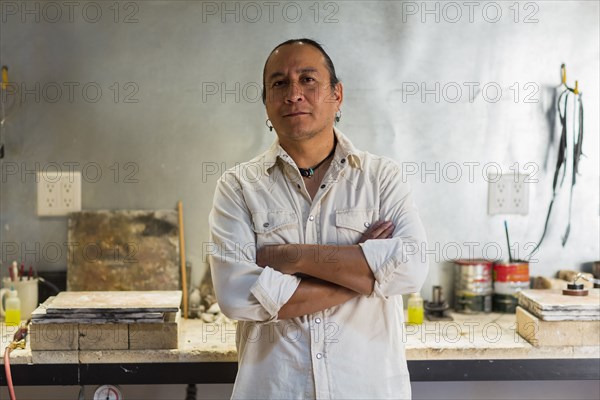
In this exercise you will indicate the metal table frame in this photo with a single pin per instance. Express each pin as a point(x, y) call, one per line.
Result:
point(224, 372)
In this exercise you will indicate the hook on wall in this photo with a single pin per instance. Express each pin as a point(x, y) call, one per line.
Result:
point(563, 77)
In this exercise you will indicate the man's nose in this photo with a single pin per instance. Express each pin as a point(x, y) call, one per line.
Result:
point(294, 93)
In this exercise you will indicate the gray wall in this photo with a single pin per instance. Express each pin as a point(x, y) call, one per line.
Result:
point(179, 136)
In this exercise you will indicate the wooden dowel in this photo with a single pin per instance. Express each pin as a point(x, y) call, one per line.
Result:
point(182, 258)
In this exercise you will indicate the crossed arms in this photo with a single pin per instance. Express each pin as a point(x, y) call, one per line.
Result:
point(331, 274)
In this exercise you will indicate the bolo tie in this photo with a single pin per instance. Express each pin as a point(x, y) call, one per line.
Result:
point(561, 159)
point(309, 172)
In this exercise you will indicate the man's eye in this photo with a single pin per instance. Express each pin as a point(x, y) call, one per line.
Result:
point(277, 83)
point(309, 79)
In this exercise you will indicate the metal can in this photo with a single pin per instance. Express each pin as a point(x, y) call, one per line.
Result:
point(511, 277)
point(468, 303)
point(473, 286)
point(505, 303)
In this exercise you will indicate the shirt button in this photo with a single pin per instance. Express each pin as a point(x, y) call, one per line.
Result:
point(266, 225)
point(367, 224)
point(322, 186)
point(311, 218)
point(318, 320)
point(343, 160)
point(298, 186)
point(319, 356)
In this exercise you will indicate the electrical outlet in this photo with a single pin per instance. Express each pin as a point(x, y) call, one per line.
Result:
point(48, 195)
point(508, 194)
point(58, 193)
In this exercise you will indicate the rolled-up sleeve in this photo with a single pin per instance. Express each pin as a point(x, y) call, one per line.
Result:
point(244, 291)
point(399, 263)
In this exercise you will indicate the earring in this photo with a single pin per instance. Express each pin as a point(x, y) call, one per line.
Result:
point(338, 115)
point(269, 126)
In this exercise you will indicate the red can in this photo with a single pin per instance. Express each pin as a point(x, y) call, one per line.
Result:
point(516, 271)
point(511, 277)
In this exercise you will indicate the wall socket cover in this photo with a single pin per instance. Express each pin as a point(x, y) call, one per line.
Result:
point(59, 193)
point(508, 194)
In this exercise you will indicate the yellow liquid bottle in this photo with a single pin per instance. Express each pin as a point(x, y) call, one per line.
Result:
point(415, 309)
point(13, 309)
point(12, 317)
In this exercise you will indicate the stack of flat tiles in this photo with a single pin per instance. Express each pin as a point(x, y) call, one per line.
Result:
point(549, 318)
point(110, 320)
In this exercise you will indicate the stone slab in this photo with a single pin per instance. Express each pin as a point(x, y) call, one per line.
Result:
point(163, 335)
point(54, 357)
point(53, 336)
point(552, 305)
point(103, 337)
point(557, 333)
point(123, 250)
point(115, 301)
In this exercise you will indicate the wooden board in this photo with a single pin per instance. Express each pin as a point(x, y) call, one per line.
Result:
point(116, 301)
point(552, 305)
point(123, 250)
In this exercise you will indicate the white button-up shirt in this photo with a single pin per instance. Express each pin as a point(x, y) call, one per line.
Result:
point(351, 351)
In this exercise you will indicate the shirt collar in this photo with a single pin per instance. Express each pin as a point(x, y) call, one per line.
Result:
point(345, 149)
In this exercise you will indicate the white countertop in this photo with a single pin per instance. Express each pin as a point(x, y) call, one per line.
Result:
point(468, 337)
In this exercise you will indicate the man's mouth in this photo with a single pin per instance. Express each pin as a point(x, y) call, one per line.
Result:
point(295, 114)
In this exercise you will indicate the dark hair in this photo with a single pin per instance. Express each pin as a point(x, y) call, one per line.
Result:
point(333, 79)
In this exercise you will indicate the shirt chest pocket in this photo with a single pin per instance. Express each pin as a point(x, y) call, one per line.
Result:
point(275, 227)
point(350, 224)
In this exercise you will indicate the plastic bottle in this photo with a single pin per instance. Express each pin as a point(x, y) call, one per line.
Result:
point(415, 309)
point(13, 308)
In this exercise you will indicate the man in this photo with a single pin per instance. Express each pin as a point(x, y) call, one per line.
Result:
point(316, 242)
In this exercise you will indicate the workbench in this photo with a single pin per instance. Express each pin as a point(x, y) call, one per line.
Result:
point(482, 347)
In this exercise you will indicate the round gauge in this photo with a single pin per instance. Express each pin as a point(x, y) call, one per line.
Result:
point(108, 392)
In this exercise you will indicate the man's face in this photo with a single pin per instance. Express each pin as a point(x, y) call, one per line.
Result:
point(299, 99)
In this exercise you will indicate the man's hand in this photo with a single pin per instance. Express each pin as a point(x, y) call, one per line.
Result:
point(282, 257)
point(379, 230)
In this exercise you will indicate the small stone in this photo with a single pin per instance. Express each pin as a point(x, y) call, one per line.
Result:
point(206, 317)
point(195, 298)
point(214, 309)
